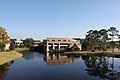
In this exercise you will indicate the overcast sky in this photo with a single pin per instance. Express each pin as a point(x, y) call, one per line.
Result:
point(57, 18)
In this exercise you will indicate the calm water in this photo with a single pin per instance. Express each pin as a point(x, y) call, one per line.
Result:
point(35, 66)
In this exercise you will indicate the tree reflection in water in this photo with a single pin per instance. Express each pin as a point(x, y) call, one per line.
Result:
point(100, 66)
point(4, 70)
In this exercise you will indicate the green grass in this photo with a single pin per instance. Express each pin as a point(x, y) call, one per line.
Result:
point(9, 56)
point(106, 53)
point(21, 49)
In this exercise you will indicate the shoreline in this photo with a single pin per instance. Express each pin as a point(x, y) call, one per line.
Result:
point(22, 50)
point(108, 53)
point(9, 56)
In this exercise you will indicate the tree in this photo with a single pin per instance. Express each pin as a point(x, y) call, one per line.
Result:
point(92, 39)
point(113, 32)
point(29, 42)
point(21, 45)
point(4, 38)
point(119, 40)
point(89, 40)
point(2, 46)
point(2, 33)
point(95, 39)
point(75, 48)
point(103, 38)
point(12, 46)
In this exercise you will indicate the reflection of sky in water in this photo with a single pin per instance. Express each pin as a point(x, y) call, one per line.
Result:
point(116, 63)
point(32, 55)
point(33, 67)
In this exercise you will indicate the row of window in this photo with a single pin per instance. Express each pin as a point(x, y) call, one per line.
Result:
point(59, 40)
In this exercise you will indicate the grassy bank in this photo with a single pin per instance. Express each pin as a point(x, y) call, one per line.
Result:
point(89, 52)
point(22, 50)
point(107, 53)
point(9, 56)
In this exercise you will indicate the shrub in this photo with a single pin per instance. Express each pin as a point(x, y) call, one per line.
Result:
point(12, 46)
point(2, 46)
point(76, 49)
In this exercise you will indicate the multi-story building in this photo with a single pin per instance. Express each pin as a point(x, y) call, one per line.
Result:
point(17, 42)
point(60, 43)
point(37, 42)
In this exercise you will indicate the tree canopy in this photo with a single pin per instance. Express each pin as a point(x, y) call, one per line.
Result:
point(29, 42)
point(113, 32)
point(99, 39)
point(4, 38)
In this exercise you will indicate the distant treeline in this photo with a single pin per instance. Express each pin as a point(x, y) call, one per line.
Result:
point(101, 40)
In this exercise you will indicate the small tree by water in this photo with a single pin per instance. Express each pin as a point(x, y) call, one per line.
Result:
point(2, 46)
point(29, 42)
point(113, 32)
point(12, 46)
point(4, 38)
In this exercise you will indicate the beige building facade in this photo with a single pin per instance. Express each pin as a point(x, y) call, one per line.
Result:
point(36, 42)
point(18, 42)
point(60, 43)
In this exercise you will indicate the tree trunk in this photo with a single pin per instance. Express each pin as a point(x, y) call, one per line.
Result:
point(112, 46)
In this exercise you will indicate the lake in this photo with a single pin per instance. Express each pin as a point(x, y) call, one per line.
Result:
point(35, 66)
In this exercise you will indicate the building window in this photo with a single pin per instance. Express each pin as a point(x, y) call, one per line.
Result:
point(59, 40)
point(69, 40)
point(53, 40)
point(64, 40)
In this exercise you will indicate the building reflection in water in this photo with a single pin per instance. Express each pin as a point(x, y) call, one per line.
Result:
point(4, 70)
point(58, 59)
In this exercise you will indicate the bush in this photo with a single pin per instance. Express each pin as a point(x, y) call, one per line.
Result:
point(76, 49)
point(12, 46)
point(68, 49)
point(29, 42)
point(72, 49)
point(2, 46)
point(21, 46)
point(31, 48)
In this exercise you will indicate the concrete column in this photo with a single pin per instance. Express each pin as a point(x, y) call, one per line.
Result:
point(47, 47)
point(53, 46)
point(70, 45)
point(59, 46)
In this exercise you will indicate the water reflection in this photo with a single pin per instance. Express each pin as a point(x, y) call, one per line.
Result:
point(35, 66)
point(59, 59)
point(32, 55)
point(101, 66)
point(4, 70)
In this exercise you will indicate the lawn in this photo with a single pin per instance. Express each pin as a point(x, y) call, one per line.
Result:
point(107, 53)
point(9, 56)
point(21, 49)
